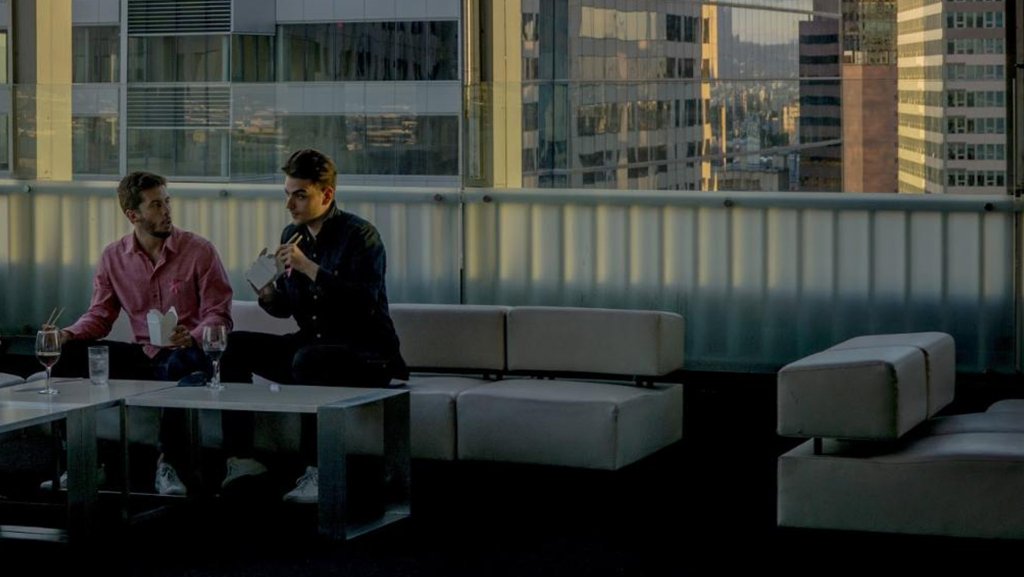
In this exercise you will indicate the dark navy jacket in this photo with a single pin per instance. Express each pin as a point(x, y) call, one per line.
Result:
point(348, 303)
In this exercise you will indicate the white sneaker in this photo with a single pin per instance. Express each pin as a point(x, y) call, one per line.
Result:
point(240, 468)
point(167, 481)
point(307, 488)
point(47, 485)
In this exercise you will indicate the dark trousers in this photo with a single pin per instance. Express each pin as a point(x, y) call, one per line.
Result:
point(129, 361)
point(290, 359)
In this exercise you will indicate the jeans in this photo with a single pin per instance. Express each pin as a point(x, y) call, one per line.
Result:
point(290, 359)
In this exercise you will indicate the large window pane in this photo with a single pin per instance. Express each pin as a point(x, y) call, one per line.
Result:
point(369, 51)
point(94, 145)
point(252, 58)
point(305, 52)
point(95, 53)
point(177, 58)
point(200, 153)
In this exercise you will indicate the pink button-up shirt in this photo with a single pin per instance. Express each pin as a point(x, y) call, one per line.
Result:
point(188, 276)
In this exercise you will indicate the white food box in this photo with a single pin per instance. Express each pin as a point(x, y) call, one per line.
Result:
point(161, 326)
point(264, 270)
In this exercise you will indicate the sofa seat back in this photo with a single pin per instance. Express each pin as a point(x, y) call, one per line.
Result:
point(594, 341)
point(451, 337)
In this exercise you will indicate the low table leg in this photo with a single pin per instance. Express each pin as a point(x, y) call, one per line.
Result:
point(332, 424)
point(82, 462)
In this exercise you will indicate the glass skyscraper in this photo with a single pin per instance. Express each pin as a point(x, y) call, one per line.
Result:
point(769, 95)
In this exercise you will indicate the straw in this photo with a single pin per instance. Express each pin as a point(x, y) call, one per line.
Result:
point(294, 238)
point(49, 318)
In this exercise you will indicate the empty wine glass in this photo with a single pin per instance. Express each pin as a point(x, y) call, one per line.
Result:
point(215, 340)
point(48, 352)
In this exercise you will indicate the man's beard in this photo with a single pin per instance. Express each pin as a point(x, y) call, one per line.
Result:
point(151, 230)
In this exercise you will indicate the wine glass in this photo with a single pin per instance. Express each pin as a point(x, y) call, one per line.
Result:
point(48, 351)
point(215, 340)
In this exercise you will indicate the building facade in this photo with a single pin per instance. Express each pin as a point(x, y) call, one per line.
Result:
point(620, 94)
point(224, 89)
point(952, 96)
point(869, 96)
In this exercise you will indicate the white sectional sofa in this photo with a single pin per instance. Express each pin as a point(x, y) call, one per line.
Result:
point(546, 385)
point(880, 460)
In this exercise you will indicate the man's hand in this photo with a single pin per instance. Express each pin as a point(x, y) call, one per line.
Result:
point(292, 258)
point(63, 335)
point(266, 292)
point(180, 337)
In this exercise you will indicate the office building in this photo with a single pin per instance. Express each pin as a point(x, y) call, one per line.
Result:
point(869, 118)
point(952, 97)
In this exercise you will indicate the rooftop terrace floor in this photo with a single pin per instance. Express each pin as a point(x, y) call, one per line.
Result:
point(705, 504)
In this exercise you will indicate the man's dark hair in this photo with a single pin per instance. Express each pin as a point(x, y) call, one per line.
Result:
point(309, 164)
point(129, 192)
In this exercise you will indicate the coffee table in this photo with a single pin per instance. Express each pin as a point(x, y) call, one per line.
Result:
point(75, 406)
point(334, 408)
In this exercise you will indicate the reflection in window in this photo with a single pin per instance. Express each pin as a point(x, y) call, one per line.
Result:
point(200, 153)
point(369, 51)
point(305, 50)
point(5, 133)
point(252, 58)
point(177, 58)
point(94, 145)
point(95, 53)
point(375, 144)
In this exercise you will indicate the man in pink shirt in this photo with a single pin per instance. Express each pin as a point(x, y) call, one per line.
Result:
point(156, 266)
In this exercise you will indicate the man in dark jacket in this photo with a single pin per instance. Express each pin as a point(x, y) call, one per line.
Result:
point(333, 285)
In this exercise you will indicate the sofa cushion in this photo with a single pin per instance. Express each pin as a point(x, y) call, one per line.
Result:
point(432, 405)
point(940, 360)
point(1007, 406)
point(248, 316)
point(448, 337)
point(965, 485)
point(863, 393)
point(990, 422)
point(606, 341)
point(571, 423)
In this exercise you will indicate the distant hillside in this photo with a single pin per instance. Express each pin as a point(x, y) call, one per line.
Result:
point(750, 60)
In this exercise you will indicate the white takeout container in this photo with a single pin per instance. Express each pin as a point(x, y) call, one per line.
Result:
point(161, 326)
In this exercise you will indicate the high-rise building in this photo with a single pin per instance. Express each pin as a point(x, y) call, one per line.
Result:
point(820, 105)
point(590, 94)
point(952, 97)
point(665, 94)
point(869, 118)
point(223, 89)
point(538, 93)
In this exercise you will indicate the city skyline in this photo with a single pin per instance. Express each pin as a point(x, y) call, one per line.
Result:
point(692, 95)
